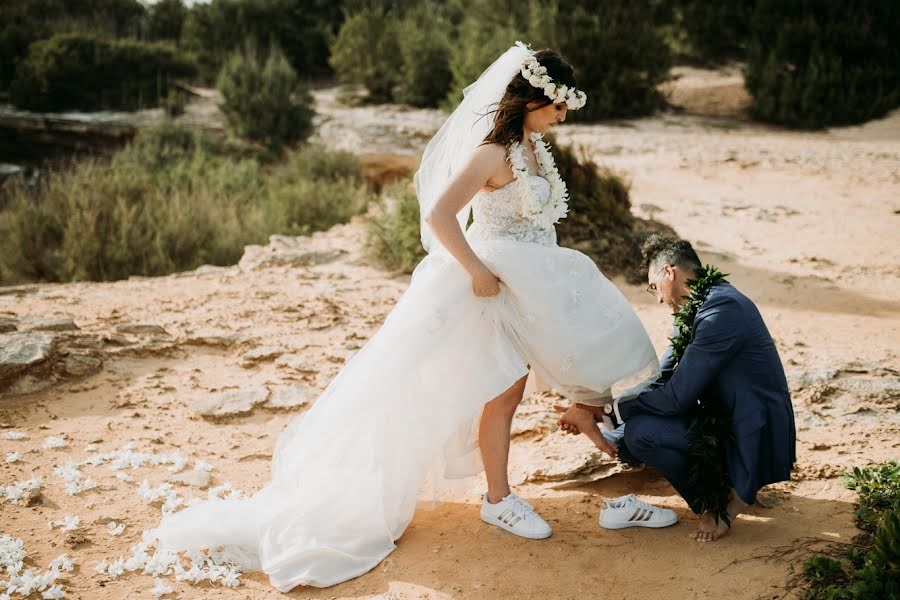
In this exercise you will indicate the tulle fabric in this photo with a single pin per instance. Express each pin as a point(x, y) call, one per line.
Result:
point(347, 474)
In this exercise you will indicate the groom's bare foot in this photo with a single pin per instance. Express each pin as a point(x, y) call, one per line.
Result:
point(708, 530)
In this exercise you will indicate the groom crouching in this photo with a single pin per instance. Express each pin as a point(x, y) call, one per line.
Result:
point(722, 363)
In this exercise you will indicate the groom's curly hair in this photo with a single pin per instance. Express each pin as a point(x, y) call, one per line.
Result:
point(509, 114)
point(671, 250)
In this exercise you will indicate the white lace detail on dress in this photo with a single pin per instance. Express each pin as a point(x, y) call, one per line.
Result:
point(498, 216)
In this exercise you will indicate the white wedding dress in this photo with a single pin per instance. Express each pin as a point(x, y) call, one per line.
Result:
point(347, 474)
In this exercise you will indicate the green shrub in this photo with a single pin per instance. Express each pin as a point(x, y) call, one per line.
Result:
point(870, 569)
point(23, 22)
point(366, 51)
point(814, 63)
point(393, 235)
point(173, 200)
point(263, 99)
point(714, 32)
point(81, 71)
point(879, 490)
point(425, 54)
point(213, 30)
point(599, 222)
point(165, 20)
point(487, 29)
point(619, 54)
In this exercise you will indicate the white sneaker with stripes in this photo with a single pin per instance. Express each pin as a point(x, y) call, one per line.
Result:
point(515, 516)
point(628, 511)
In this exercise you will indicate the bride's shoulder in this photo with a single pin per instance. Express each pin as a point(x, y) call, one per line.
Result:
point(490, 151)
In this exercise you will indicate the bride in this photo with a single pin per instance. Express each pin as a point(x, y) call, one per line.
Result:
point(431, 396)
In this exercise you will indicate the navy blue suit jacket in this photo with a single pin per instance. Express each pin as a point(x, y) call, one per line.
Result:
point(731, 357)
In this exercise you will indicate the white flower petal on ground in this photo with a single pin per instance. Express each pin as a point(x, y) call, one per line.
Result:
point(161, 588)
point(115, 529)
point(53, 593)
point(54, 442)
point(102, 566)
point(116, 568)
point(62, 563)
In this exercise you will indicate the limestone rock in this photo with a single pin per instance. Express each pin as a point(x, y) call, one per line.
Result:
point(231, 403)
point(140, 329)
point(261, 353)
point(8, 324)
point(20, 351)
point(290, 397)
point(195, 478)
point(48, 324)
point(296, 363)
point(81, 364)
point(223, 341)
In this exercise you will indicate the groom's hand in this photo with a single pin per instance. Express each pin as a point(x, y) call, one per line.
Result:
point(580, 419)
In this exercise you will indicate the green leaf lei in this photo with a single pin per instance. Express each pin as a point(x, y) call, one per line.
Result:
point(708, 426)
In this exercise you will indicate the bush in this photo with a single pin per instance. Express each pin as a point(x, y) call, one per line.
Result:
point(263, 99)
point(86, 72)
point(714, 32)
point(599, 222)
point(816, 63)
point(393, 235)
point(870, 569)
point(23, 22)
point(172, 200)
point(302, 30)
point(366, 51)
point(425, 54)
point(618, 51)
point(165, 20)
point(487, 29)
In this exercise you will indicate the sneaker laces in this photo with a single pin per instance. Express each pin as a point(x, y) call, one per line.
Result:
point(521, 505)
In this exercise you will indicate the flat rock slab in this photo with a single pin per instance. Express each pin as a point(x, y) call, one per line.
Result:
point(195, 478)
point(290, 397)
point(231, 403)
point(140, 329)
point(261, 353)
point(48, 324)
point(21, 350)
point(8, 324)
point(221, 341)
point(296, 363)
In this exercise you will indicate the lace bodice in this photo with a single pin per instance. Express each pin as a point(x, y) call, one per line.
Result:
point(497, 215)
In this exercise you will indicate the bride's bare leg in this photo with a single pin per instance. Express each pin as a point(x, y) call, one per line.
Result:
point(493, 438)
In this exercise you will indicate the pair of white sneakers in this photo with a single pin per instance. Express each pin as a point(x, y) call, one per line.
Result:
point(516, 516)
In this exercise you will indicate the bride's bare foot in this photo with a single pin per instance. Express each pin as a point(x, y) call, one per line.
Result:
point(708, 530)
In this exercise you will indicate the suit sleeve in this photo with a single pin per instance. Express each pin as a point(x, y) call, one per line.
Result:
point(718, 335)
point(666, 367)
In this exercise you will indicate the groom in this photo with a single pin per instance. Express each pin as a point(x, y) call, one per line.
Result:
point(731, 359)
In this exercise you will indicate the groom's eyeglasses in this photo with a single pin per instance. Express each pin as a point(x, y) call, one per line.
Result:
point(651, 289)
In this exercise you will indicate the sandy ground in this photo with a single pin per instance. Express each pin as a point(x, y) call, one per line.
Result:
point(804, 223)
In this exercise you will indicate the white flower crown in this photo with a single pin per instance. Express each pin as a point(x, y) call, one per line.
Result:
point(536, 74)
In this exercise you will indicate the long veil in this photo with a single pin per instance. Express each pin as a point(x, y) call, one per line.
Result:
point(458, 137)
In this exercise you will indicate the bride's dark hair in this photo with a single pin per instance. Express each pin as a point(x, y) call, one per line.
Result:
point(509, 116)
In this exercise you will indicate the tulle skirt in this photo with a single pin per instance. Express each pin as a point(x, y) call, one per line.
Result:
point(347, 474)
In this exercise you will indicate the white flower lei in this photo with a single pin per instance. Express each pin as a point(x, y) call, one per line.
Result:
point(547, 212)
point(536, 74)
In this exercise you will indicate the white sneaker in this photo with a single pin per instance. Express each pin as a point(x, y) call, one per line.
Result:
point(628, 511)
point(515, 516)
